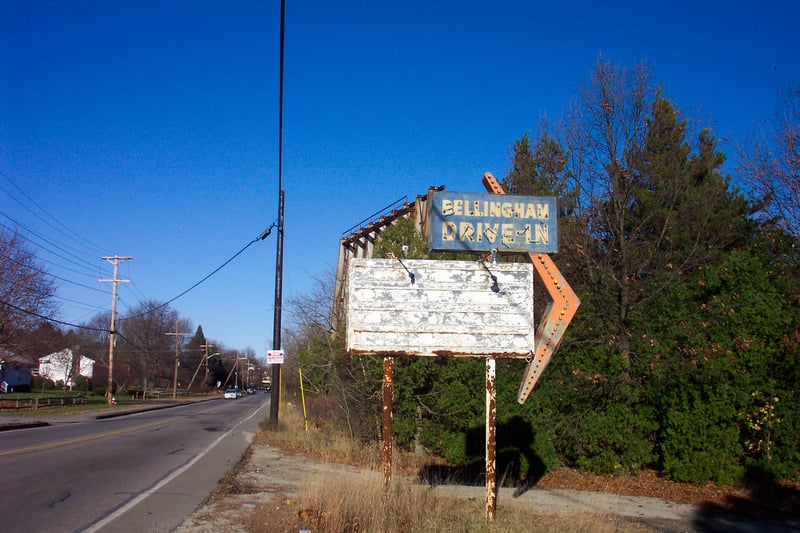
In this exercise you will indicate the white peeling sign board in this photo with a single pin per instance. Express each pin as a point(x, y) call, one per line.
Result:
point(439, 308)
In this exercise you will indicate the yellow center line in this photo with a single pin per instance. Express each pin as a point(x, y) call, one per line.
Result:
point(56, 444)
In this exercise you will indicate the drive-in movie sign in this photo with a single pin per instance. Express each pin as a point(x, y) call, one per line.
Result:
point(480, 222)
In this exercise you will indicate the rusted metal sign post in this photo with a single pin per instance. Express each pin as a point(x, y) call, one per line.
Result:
point(491, 439)
point(464, 308)
point(388, 419)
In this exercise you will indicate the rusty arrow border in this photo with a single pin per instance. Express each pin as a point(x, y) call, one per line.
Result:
point(558, 314)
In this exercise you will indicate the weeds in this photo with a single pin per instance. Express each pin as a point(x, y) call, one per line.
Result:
point(340, 499)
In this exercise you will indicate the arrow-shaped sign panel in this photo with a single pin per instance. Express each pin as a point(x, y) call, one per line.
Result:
point(557, 316)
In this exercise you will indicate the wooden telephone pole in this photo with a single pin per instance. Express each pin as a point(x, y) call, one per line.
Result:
point(177, 345)
point(111, 332)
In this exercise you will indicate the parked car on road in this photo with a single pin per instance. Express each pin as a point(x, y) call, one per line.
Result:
point(230, 394)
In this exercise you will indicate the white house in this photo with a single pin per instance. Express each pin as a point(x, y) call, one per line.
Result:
point(63, 366)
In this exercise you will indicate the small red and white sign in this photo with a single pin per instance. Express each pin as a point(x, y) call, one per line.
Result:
point(275, 357)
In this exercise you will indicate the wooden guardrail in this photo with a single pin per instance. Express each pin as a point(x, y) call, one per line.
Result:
point(15, 404)
point(151, 394)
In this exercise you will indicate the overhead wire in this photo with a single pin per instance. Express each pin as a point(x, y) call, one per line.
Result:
point(66, 231)
point(81, 263)
point(261, 237)
point(46, 273)
point(35, 268)
point(60, 255)
point(77, 261)
point(134, 289)
point(72, 325)
point(45, 260)
point(64, 253)
point(51, 319)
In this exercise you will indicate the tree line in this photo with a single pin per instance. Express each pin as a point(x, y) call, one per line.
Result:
point(684, 356)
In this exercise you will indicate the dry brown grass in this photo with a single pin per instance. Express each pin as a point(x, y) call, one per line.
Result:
point(334, 504)
point(330, 445)
point(341, 501)
point(322, 443)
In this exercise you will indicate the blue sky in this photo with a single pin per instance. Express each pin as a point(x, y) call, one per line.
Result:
point(150, 128)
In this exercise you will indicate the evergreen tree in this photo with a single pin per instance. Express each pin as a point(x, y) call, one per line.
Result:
point(193, 357)
point(197, 342)
point(541, 171)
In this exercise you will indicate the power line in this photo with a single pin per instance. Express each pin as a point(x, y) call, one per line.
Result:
point(51, 319)
point(56, 248)
point(44, 260)
point(81, 264)
point(32, 232)
point(136, 291)
point(32, 267)
point(46, 273)
point(261, 237)
point(66, 231)
point(76, 326)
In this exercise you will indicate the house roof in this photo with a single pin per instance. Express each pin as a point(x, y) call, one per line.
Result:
point(48, 357)
point(8, 356)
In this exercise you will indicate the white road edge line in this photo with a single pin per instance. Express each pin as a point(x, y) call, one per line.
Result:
point(141, 497)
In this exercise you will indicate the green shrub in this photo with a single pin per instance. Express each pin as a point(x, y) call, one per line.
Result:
point(544, 448)
point(81, 384)
point(701, 444)
point(615, 440)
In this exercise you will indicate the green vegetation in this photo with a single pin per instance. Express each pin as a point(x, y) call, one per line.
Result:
point(684, 356)
point(50, 403)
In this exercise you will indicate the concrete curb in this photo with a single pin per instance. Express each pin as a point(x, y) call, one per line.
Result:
point(22, 425)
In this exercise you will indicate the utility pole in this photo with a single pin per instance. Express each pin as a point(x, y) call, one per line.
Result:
point(203, 361)
point(111, 332)
point(275, 394)
point(175, 375)
point(206, 346)
point(237, 371)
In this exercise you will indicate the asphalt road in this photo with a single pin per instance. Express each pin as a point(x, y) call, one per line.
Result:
point(142, 472)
